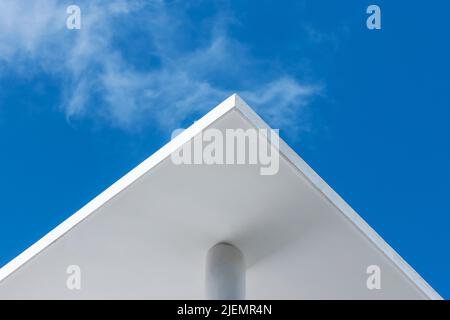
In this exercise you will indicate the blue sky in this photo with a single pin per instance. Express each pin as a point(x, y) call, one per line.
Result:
point(367, 109)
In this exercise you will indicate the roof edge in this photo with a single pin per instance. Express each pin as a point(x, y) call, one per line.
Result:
point(232, 102)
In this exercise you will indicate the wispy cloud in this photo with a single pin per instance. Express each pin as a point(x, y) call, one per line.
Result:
point(135, 63)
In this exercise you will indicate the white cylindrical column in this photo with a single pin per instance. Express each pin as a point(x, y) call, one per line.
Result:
point(225, 273)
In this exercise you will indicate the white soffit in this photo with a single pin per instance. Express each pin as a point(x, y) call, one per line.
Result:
point(147, 235)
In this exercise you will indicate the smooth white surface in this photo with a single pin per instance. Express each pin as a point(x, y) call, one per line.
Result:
point(146, 236)
point(225, 273)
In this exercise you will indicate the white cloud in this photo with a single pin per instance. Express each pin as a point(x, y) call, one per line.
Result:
point(99, 79)
point(282, 101)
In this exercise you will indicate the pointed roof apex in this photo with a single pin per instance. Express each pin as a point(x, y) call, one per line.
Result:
point(233, 101)
point(238, 100)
